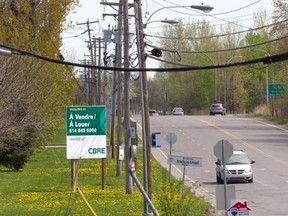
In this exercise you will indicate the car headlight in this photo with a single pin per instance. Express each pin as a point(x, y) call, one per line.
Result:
point(249, 170)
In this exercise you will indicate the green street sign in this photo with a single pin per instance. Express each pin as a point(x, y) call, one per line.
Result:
point(86, 132)
point(87, 120)
point(276, 89)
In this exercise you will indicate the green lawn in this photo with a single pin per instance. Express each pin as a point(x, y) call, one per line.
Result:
point(44, 188)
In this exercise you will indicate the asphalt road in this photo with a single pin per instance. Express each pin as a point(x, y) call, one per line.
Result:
point(265, 143)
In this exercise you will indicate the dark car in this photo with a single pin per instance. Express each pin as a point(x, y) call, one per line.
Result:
point(153, 113)
point(217, 108)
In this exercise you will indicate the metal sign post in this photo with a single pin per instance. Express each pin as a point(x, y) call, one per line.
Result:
point(223, 150)
point(171, 138)
point(182, 189)
point(184, 161)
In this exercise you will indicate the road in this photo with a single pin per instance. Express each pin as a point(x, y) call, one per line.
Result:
point(265, 143)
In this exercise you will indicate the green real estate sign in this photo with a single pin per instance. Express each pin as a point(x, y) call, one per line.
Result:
point(276, 89)
point(86, 132)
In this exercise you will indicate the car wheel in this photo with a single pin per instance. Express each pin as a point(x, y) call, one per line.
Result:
point(221, 181)
point(217, 179)
point(251, 180)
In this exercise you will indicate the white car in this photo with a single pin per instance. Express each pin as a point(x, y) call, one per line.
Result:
point(217, 108)
point(237, 168)
point(177, 111)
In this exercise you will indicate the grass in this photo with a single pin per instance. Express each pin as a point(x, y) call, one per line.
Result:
point(269, 118)
point(44, 188)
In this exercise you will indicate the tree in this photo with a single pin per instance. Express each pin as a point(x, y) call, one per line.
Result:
point(33, 93)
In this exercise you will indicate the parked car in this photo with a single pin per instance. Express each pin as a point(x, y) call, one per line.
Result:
point(177, 111)
point(217, 108)
point(237, 168)
point(153, 113)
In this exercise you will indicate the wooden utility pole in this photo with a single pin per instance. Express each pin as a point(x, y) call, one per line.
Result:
point(129, 187)
point(92, 55)
point(145, 105)
point(117, 84)
point(118, 74)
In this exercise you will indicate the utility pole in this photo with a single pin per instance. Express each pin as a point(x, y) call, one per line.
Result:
point(129, 187)
point(118, 64)
point(117, 85)
point(92, 55)
point(147, 172)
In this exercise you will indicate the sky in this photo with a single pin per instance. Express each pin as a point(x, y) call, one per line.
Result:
point(74, 47)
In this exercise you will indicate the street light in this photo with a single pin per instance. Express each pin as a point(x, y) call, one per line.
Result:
point(202, 7)
point(5, 52)
point(267, 72)
point(144, 91)
point(167, 21)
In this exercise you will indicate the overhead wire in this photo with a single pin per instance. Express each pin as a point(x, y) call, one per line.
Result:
point(222, 50)
point(211, 15)
point(226, 12)
point(266, 60)
point(218, 35)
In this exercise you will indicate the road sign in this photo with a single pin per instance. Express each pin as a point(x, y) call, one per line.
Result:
point(171, 138)
point(86, 132)
point(239, 209)
point(223, 149)
point(156, 139)
point(185, 160)
point(276, 89)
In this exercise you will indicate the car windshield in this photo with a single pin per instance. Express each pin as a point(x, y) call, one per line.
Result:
point(238, 159)
point(178, 110)
point(216, 105)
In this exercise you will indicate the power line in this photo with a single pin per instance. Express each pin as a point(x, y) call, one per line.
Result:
point(222, 50)
point(220, 35)
point(266, 60)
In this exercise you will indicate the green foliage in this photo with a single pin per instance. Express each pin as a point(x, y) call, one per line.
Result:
point(33, 93)
point(44, 188)
point(169, 197)
point(195, 44)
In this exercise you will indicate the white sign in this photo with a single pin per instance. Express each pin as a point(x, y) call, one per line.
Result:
point(239, 209)
point(185, 160)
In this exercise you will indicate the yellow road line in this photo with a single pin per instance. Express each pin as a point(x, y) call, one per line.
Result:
point(259, 151)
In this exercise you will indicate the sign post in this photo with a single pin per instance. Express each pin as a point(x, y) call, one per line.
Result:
point(223, 150)
point(184, 161)
point(171, 138)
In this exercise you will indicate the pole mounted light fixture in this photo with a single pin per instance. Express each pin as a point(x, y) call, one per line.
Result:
point(167, 21)
point(170, 21)
point(202, 7)
point(5, 52)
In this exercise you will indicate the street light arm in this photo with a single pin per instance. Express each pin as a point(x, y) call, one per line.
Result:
point(202, 7)
point(233, 58)
point(260, 50)
point(168, 21)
